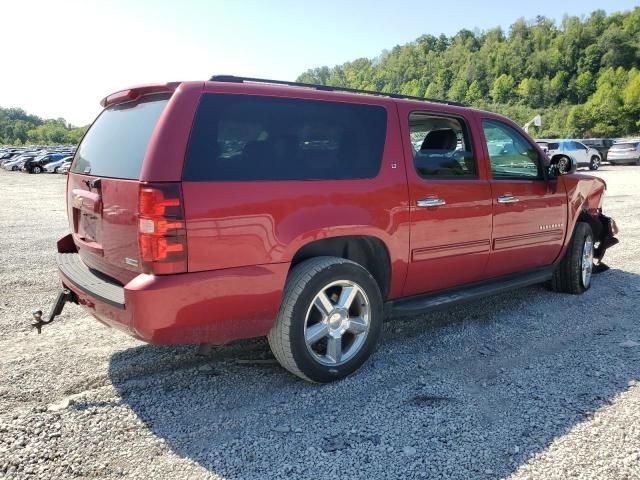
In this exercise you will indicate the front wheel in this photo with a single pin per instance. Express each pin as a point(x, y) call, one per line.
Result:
point(330, 319)
point(594, 164)
point(573, 274)
point(36, 169)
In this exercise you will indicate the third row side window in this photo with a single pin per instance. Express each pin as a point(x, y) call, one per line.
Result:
point(254, 138)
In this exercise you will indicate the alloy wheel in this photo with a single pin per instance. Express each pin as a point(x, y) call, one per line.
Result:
point(587, 262)
point(337, 322)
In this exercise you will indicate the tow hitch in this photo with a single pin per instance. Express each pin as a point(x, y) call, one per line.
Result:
point(64, 296)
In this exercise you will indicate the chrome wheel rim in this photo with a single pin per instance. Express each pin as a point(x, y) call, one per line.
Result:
point(337, 323)
point(587, 262)
point(596, 162)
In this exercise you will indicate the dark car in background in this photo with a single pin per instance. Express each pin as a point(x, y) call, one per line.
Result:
point(602, 145)
point(37, 164)
point(18, 162)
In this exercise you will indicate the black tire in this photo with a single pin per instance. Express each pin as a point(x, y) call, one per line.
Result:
point(594, 164)
point(567, 278)
point(36, 169)
point(287, 336)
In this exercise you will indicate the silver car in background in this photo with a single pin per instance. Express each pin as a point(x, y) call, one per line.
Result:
point(54, 166)
point(625, 153)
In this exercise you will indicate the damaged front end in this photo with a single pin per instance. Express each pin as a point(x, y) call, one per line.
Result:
point(604, 231)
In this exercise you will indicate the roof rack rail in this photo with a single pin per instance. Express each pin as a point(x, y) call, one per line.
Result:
point(327, 88)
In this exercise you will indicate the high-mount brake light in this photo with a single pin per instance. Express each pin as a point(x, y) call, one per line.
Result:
point(119, 97)
point(162, 234)
point(136, 92)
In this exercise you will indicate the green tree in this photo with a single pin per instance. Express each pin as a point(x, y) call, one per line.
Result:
point(584, 86)
point(458, 90)
point(474, 95)
point(502, 89)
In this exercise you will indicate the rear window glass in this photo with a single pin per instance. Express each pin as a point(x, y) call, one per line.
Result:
point(251, 138)
point(623, 146)
point(116, 143)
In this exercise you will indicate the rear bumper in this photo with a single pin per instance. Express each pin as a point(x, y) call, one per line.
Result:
point(623, 160)
point(204, 307)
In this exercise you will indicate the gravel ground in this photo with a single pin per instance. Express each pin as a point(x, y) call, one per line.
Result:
point(528, 385)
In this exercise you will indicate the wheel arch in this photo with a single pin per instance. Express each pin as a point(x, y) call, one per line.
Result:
point(366, 250)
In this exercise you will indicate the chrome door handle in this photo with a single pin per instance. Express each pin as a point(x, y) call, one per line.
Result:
point(431, 202)
point(508, 199)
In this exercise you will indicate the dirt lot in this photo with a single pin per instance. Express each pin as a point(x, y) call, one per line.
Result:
point(529, 385)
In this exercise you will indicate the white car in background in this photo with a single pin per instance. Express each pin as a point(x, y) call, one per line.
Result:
point(54, 166)
point(583, 155)
point(64, 168)
point(625, 152)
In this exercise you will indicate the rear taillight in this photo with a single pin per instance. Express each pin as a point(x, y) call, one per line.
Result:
point(162, 234)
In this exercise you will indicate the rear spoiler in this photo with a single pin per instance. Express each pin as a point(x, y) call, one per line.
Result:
point(134, 93)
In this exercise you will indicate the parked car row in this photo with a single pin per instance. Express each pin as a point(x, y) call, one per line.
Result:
point(36, 159)
point(592, 152)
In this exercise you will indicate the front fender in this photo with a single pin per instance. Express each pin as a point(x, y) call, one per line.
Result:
point(585, 194)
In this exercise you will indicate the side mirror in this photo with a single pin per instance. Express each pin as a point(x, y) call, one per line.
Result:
point(562, 165)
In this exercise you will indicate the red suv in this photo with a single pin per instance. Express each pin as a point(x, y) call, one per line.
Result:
point(206, 212)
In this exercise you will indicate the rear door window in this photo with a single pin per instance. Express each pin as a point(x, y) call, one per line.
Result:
point(252, 138)
point(117, 141)
point(441, 146)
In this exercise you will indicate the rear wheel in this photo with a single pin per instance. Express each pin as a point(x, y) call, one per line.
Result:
point(594, 164)
point(330, 319)
point(573, 274)
point(36, 169)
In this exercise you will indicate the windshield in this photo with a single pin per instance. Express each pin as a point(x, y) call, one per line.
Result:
point(116, 143)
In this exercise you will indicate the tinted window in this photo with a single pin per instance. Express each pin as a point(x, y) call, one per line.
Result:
point(116, 143)
point(441, 146)
point(511, 155)
point(249, 138)
point(623, 146)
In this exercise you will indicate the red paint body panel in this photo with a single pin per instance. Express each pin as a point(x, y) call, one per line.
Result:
point(444, 237)
point(242, 236)
point(164, 159)
point(195, 307)
point(112, 215)
point(524, 234)
point(518, 242)
point(232, 224)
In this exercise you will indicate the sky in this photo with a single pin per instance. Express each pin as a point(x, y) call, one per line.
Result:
point(60, 57)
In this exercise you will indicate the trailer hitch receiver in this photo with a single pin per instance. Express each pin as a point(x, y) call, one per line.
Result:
point(64, 296)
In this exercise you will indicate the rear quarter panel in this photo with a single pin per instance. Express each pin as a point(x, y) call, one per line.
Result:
point(165, 154)
point(232, 224)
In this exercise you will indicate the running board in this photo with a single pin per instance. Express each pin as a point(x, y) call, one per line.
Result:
point(446, 298)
